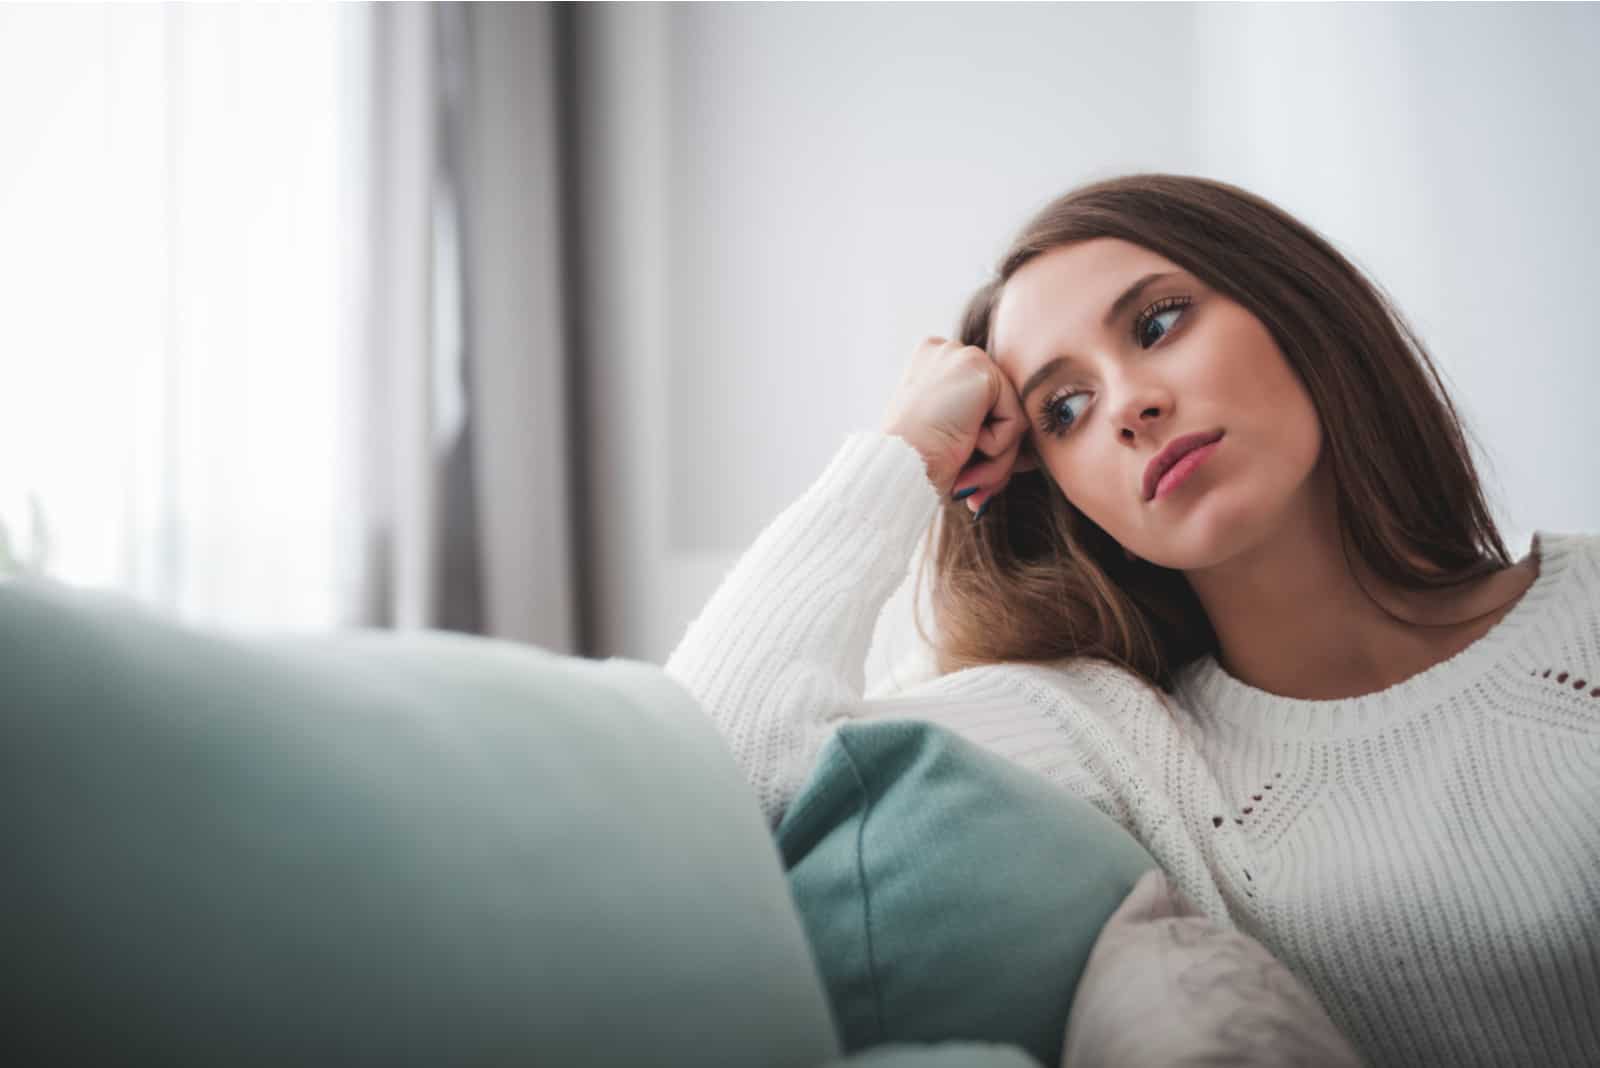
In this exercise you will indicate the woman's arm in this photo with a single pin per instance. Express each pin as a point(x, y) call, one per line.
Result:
point(780, 648)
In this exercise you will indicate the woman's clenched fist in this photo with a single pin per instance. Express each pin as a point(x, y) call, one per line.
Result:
point(961, 414)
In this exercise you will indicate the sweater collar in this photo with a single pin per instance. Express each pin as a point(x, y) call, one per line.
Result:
point(1212, 694)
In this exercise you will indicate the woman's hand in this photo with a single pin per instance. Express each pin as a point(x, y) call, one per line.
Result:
point(956, 408)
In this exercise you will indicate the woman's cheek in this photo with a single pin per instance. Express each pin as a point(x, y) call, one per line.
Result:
point(1100, 505)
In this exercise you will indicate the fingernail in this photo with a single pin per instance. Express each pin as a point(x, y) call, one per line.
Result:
point(981, 509)
point(961, 495)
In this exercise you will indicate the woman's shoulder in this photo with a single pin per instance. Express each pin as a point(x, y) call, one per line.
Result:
point(1566, 590)
point(1584, 541)
point(1567, 556)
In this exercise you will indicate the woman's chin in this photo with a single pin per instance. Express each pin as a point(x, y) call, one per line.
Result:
point(1208, 531)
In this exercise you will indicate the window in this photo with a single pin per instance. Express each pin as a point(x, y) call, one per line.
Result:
point(181, 218)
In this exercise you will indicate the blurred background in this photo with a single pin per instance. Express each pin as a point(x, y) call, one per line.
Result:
point(524, 320)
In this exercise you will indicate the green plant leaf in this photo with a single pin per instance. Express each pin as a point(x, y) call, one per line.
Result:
point(39, 530)
point(8, 561)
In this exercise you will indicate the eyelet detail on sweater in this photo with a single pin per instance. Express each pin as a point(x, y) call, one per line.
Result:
point(1561, 677)
point(1216, 821)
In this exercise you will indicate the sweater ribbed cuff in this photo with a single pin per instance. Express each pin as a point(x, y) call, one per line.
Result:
point(880, 480)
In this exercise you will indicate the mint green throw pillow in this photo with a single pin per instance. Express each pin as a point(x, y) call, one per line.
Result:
point(948, 893)
point(376, 848)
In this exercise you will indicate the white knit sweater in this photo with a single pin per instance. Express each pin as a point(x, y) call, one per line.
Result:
point(1427, 858)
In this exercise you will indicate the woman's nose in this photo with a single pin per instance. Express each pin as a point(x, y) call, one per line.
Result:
point(1143, 405)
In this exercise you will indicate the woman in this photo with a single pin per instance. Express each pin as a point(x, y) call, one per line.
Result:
point(1233, 580)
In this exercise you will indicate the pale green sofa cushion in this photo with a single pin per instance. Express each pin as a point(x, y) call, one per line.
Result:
point(398, 849)
point(949, 894)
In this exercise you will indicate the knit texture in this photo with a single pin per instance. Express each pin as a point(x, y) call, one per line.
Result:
point(1426, 858)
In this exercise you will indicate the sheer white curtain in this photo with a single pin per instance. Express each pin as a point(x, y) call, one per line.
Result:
point(181, 199)
point(283, 336)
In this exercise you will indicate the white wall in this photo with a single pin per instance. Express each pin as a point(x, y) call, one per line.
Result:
point(785, 198)
point(1450, 151)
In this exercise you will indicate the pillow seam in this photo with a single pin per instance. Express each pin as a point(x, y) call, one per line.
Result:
point(866, 886)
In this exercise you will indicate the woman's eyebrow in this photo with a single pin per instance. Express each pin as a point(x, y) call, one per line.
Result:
point(1131, 294)
point(1115, 312)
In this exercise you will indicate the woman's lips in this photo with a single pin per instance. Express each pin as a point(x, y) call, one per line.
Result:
point(1182, 469)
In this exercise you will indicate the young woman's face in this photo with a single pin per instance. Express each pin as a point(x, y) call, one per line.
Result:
point(1173, 359)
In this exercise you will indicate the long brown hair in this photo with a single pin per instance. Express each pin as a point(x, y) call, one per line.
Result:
point(1036, 580)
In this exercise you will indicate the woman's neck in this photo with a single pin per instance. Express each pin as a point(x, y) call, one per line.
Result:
point(1293, 619)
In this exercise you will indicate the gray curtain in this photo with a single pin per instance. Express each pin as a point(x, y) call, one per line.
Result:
point(471, 499)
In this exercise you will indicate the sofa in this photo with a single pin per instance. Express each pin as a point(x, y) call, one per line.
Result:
point(399, 848)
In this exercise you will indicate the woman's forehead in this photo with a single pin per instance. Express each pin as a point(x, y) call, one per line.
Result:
point(1065, 292)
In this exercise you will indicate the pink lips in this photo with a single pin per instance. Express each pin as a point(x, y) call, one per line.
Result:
point(1180, 470)
point(1174, 463)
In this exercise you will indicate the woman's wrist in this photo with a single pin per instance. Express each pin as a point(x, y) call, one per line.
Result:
point(943, 483)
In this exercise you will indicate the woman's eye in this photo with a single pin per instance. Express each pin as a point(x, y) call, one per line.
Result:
point(1143, 332)
point(1059, 413)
